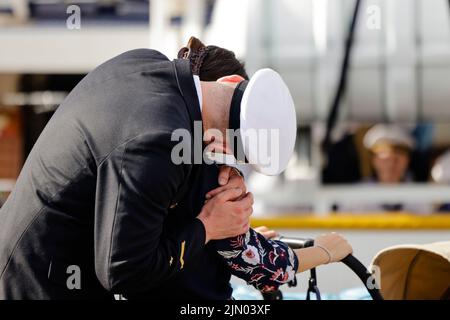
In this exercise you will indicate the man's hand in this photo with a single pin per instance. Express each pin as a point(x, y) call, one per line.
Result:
point(226, 173)
point(225, 217)
point(233, 180)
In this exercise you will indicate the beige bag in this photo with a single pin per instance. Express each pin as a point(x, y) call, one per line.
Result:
point(412, 272)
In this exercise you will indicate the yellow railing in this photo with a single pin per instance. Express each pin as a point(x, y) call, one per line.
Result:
point(354, 221)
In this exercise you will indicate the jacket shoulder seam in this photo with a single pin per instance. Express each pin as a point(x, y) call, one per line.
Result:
point(115, 214)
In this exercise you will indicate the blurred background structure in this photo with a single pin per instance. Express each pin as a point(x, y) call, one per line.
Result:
point(349, 64)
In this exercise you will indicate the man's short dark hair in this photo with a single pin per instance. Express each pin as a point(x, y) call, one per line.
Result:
point(211, 62)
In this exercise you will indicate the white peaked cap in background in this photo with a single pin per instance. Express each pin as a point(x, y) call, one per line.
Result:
point(388, 133)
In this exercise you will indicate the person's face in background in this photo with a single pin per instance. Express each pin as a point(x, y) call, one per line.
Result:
point(390, 163)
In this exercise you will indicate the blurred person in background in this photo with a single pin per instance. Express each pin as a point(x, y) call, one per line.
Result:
point(440, 173)
point(390, 148)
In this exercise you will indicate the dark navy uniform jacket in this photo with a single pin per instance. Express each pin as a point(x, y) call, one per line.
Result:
point(100, 208)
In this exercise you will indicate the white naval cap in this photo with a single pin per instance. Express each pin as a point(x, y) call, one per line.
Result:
point(441, 169)
point(388, 134)
point(264, 112)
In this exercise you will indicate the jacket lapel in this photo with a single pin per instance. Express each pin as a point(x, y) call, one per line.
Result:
point(187, 88)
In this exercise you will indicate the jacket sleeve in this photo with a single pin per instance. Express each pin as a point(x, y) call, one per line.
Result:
point(265, 264)
point(136, 184)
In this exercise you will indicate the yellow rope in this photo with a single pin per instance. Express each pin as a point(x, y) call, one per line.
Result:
point(354, 221)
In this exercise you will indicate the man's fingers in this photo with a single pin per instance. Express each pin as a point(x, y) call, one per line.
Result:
point(248, 212)
point(246, 202)
point(229, 194)
point(234, 182)
point(218, 190)
point(224, 175)
point(241, 206)
point(235, 172)
point(215, 192)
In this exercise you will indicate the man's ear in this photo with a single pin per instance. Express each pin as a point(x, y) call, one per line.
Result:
point(234, 78)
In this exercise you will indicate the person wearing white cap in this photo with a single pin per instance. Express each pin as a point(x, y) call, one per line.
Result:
point(390, 149)
point(101, 207)
point(100, 191)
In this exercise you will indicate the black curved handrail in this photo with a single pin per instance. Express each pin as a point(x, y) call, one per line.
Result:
point(361, 271)
point(350, 261)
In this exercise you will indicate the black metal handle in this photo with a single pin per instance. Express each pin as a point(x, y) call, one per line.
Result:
point(361, 271)
point(350, 261)
point(297, 243)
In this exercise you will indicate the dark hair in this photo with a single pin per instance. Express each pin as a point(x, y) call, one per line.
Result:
point(211, 62)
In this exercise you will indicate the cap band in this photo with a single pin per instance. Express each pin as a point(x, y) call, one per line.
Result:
point(235, 120)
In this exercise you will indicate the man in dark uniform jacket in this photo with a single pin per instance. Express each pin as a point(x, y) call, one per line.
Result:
point(99, 207)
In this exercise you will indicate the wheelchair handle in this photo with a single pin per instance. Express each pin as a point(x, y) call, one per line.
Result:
point(350, 261)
